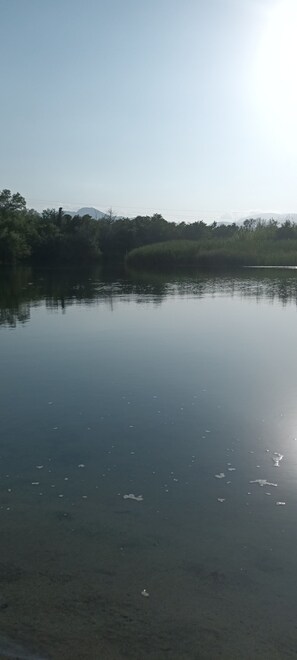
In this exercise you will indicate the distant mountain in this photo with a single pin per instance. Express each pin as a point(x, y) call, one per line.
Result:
point(226, 219)
point(89, 210)
point(94, 213)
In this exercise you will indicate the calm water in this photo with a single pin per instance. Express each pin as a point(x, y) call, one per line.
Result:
point(113, 385)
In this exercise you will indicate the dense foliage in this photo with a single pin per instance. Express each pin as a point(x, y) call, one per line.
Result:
point(57, 237)
point(50, 236)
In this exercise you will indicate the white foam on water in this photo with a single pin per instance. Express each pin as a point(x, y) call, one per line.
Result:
point(277, 458)
point(263, 482)
point(221, 475)
point(131, 496)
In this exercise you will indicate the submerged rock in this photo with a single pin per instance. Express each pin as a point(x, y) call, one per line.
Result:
point(10, 649)
point(3, 603)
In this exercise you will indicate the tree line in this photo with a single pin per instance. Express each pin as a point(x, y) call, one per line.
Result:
point(57, 237)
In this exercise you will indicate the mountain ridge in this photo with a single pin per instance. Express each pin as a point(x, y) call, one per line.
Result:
point(227, 218)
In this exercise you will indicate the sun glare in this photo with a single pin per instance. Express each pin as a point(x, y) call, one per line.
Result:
point(275, 75)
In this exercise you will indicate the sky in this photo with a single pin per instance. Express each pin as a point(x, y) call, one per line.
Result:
point(180, 107)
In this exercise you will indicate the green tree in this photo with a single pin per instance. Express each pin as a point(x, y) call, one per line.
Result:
point(14, 238)
point(10, 203)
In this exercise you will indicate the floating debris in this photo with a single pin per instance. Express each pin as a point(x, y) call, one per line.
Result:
point(81, 465)
point(145, 593)
point(277, 458)
point(263, 482)
point(221, 475)
point(39, 467)
point(131, 496)
point(221, 499)
point(231, 469)
point(280, 503)
point(35, 483)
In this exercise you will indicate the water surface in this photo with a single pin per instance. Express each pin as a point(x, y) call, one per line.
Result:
point(115, 384)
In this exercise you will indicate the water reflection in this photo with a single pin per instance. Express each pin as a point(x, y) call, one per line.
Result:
point(140, 452)
point(24, 288)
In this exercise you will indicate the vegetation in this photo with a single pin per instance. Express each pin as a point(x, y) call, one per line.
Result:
point(215, 254)
point(51, 236)
point(144, 241)
point(255, 243)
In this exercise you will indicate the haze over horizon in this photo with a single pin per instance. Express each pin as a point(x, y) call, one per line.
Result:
point(181, 107)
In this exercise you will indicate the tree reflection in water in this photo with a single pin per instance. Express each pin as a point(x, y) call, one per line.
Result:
point(23, 288)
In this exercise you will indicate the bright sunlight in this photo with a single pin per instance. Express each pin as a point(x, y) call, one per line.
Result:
point(276, 90)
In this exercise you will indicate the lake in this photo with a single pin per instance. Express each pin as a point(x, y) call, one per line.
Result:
point(148, 465)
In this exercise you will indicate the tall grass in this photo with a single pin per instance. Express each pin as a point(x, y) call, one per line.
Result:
point(216, 253)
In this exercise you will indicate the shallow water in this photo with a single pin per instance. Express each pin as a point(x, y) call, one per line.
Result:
point(181, 390)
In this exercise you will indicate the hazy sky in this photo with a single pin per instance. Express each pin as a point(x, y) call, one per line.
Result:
point(184, 107)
